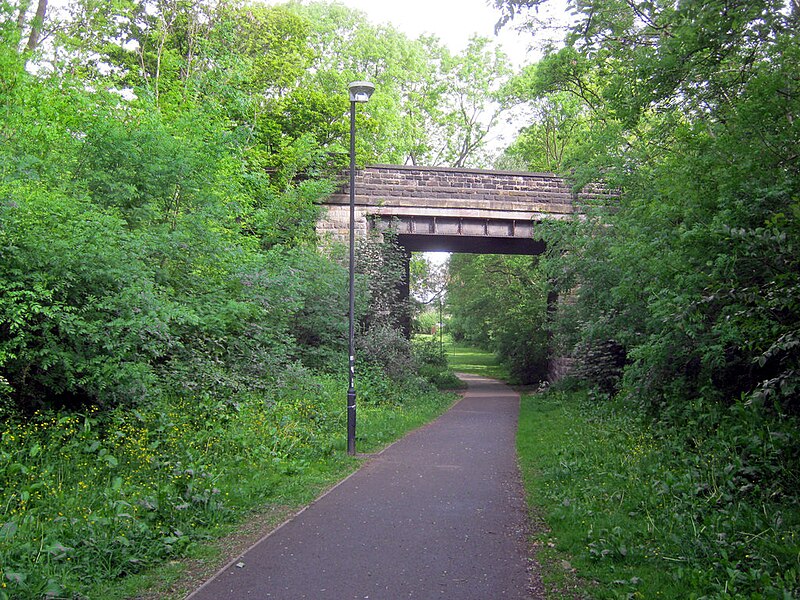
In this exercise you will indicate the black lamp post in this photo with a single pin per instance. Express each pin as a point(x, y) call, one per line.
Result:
point(360, 91)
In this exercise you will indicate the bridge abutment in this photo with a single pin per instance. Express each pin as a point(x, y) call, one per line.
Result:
point(334, 225)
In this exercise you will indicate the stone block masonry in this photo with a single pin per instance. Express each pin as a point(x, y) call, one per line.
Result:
point(486, 200)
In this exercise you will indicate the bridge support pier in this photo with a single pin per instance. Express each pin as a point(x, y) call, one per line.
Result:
point(558, 367)
point(405, 293)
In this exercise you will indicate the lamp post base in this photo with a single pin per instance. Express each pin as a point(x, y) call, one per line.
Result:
point(351, 422)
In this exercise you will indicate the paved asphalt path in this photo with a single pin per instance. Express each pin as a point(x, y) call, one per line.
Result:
point(439, 514)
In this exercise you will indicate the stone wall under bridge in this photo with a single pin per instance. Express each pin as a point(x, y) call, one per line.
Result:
point(452, 210)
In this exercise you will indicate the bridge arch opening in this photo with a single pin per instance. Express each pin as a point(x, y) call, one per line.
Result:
point(470, 245)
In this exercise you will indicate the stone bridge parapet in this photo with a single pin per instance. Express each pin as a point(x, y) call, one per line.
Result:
point(437, 201)
point(475, 188)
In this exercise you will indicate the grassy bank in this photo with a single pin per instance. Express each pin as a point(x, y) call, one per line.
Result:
point(92, 501)
point(707, 509)
point(465, 359)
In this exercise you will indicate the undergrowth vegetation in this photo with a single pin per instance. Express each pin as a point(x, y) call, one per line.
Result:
point(434, 364)
point(91, 497)
point(701, 503)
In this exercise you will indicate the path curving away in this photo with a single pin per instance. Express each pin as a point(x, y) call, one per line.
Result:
point(438, 514)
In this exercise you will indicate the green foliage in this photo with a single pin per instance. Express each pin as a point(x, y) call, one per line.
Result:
point(559, 122)
point(381, 338)
point(147, 172)
point(159, 190)
point(702, 504)
point(691, 270)
point(430, 107)
point(428, 351)
point(388, 348)
point(320, 325)
point(140, 250)
point(427, 321)
point(81, 314)
point(475, 78)
point(499, 303)
point(288, 218)
point(431, 363)
point(96, 312)
point(381, 259)
point(272, 43)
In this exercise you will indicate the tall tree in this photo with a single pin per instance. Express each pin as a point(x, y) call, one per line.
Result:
point(694, 119)
point(471, 103)
point(558, 122)
point(430, 107)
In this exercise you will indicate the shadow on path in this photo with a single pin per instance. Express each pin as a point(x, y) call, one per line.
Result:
point(438, 514)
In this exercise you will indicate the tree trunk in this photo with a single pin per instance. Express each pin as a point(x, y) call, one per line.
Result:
point(36, 25)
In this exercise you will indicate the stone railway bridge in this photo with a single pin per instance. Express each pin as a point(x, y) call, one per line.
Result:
point(453, 210)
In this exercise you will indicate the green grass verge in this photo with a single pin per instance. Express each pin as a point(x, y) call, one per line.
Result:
point(639, 513)
point(465, 359)
point(105, 505)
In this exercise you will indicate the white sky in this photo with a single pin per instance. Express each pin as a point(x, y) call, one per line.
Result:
point(452, 21)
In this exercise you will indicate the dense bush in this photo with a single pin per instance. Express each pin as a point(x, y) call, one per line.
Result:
point(384, 313)
point(82, 316)
point(431, 363)
point(157, 212)
point(387, 348)
point(426, 321)
point(691, 268)
point(144, 258)
point(94, 312)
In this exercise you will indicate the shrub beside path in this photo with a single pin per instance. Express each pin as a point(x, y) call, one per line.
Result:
point(439, 514)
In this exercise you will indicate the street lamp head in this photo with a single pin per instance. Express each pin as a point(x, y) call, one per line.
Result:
point(360, 91)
